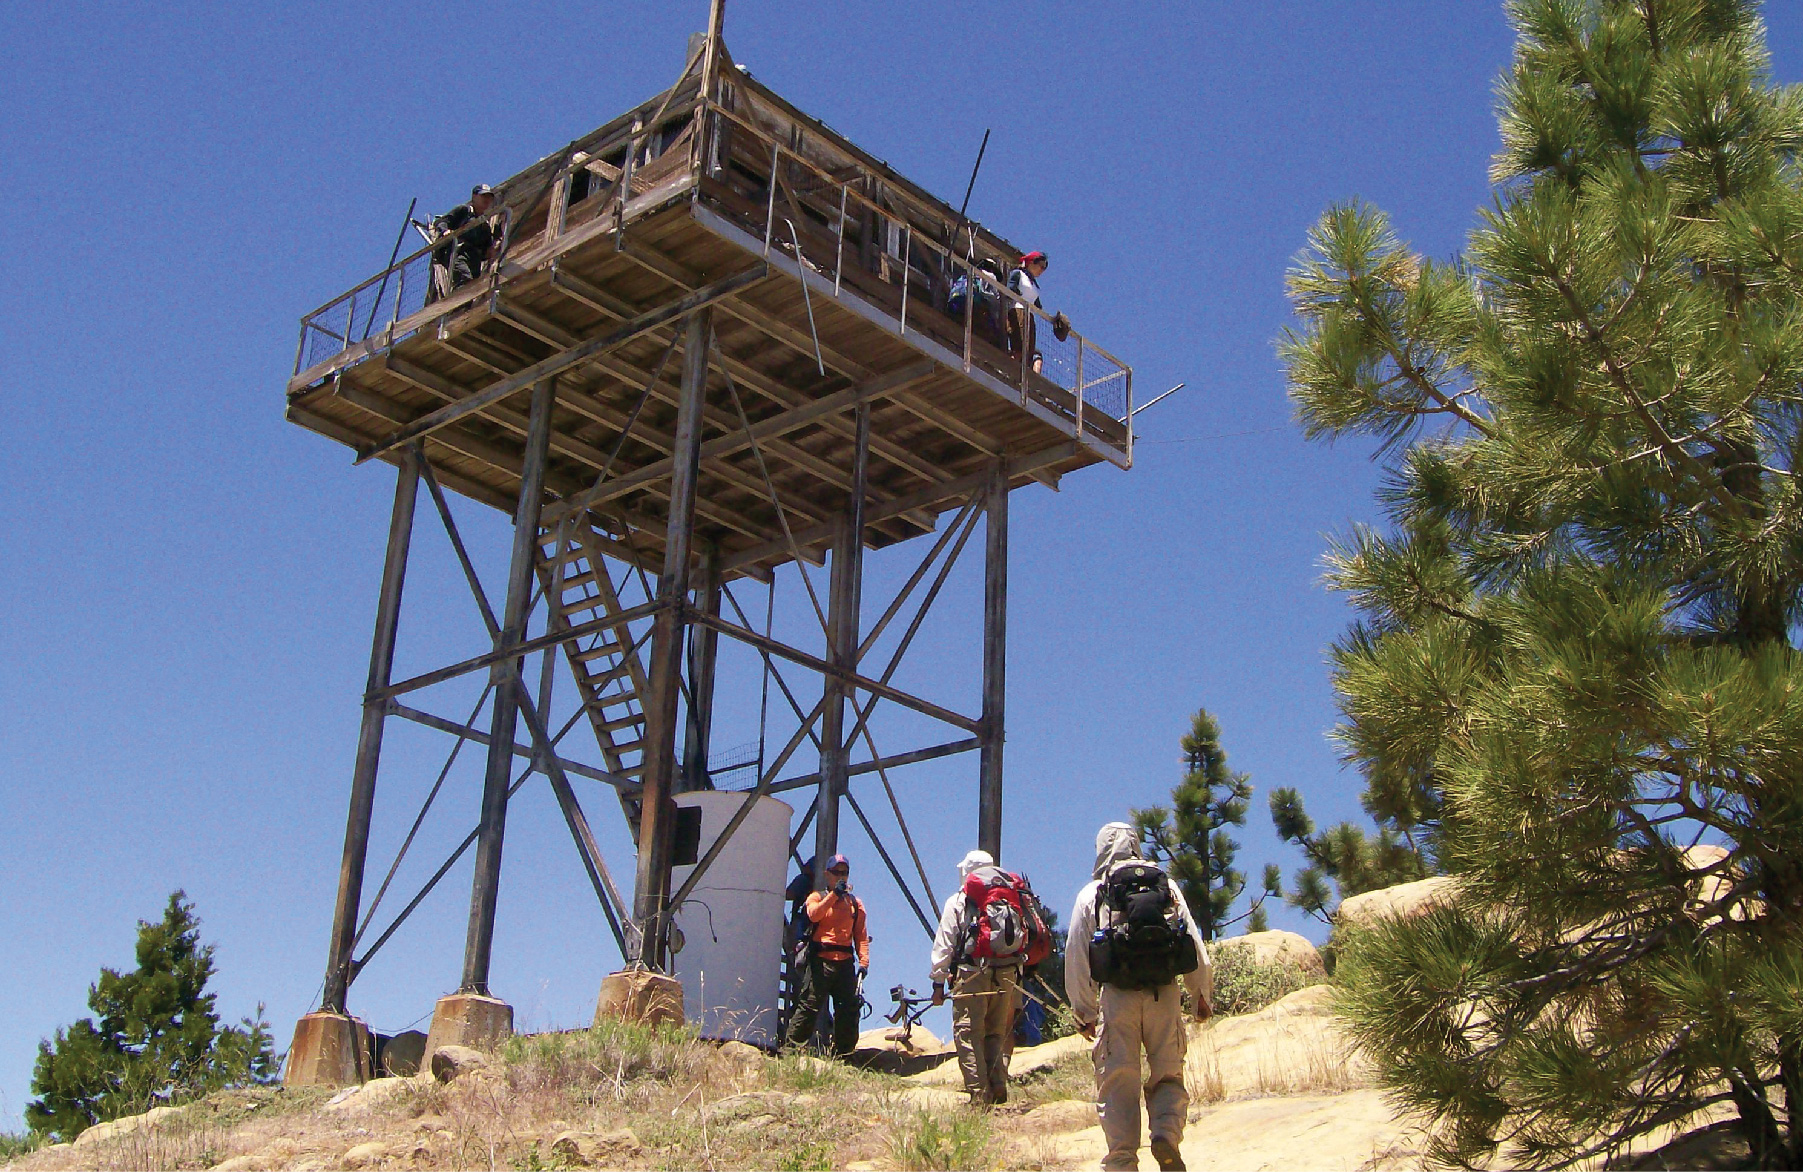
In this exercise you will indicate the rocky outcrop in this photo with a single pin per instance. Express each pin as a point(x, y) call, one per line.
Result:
point(1401, 901)
point(450, 1063)
point(1287, 949)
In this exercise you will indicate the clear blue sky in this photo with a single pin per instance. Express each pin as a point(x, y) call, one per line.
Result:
point(190, 581)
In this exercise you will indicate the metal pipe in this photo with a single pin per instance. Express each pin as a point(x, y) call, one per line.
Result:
point(369, 735)
point(843, 602)
point(704, 650)
point(505, 674)
point(406, 222)
point(995, 664)
point(651, 888)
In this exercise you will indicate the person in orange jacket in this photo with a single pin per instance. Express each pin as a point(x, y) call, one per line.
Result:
point(838, 958)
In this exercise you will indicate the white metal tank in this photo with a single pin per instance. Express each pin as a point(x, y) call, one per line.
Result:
point(732, 923)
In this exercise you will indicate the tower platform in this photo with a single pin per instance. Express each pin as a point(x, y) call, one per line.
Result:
point(829, 275)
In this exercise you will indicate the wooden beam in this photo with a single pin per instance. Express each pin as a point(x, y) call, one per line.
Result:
point(489, 396)
point(740, 440)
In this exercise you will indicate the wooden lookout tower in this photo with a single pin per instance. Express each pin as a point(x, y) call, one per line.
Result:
point(714, 340)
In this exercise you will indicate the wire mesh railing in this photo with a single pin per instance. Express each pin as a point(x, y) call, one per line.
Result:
point(394, 295)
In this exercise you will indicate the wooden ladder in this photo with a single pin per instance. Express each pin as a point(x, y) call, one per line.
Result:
point(610, 675)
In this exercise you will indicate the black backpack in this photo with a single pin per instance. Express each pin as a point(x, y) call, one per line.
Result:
point(1141, 940)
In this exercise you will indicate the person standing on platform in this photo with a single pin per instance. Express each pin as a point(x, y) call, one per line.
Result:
point(1131, 938)
point(458, 262)
point(1023, 326)
point(838, 958)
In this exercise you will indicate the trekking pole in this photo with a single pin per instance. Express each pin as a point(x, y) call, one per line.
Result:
point(406, 221)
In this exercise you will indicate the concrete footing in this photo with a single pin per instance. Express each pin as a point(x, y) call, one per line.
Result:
point(469, 1019)
point(329, 1050)
point(641, 996)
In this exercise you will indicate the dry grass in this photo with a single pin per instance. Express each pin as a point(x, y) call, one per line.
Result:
point(1073, 1077)
point(1305, 1066)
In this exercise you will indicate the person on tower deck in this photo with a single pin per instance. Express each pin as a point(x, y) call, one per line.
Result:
point(1023, 328)
point(838, 959)
point(1131, 938)
point(987, 932)
point(458, 262)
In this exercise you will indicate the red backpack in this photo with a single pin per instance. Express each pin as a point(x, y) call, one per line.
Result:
point(1006, 925)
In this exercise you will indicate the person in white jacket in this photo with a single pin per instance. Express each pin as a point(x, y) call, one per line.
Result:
point(1125, 1021)
point(985, 997)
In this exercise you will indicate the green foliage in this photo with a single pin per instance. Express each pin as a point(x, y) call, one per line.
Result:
point(16, 1144)
point(154, 1038)
point(1353, 860)
point(1575, 663)
point(926, 1139)
point(1243, 985)
point(1191, 838)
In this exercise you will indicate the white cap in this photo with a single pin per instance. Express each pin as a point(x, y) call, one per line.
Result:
point(972, 861)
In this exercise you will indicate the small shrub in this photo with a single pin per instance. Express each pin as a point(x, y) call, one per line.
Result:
point(801, 1072)
point(930, 1140)
point(806, 1156)
point(1242, 985)
point(14, 1144)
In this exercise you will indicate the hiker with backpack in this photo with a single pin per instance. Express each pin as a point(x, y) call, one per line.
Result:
point(837, 958)
point(1131, 938)
point(991, 931)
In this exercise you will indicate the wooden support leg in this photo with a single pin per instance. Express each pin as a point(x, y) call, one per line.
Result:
point(995, 665)
point(704, 649)
point(657, 825)
point(844, 596)
point(369, 736)
point(506, 678)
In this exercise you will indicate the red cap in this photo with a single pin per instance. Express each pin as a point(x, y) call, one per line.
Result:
point(1031, 257)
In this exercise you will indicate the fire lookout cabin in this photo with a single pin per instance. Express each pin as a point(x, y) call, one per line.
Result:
point(714, 338)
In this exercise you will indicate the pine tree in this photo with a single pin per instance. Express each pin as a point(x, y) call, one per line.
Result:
point(1344, 853)
point(1575, 675)
point(1191, 836)
point(154, 1037)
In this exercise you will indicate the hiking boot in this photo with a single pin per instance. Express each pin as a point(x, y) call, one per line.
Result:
point(1168, 1157)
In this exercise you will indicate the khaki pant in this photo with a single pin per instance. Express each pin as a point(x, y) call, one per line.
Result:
point(1132, 1020)
point(984, 1002)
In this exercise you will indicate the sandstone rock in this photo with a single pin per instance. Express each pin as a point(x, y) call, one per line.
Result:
point(454, 1062)
point(373, 1095)
point(1274, 948)
point(1061, 1115)
point(921, 1041)
point(1402, 901)
point(403, 1053)
point(590, 1148)
point(1026, 1060)
point(363, 1155)
point(429, 1123)
point(816, 1065)
point(742, 1053)
point(246, 1163)
point(150, 1120)
point(747, 1105)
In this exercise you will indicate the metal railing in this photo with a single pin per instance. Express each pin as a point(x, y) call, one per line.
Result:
point(912, 274)
point(386, 299)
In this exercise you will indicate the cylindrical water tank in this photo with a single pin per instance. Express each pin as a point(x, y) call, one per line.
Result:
point(730, 965)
